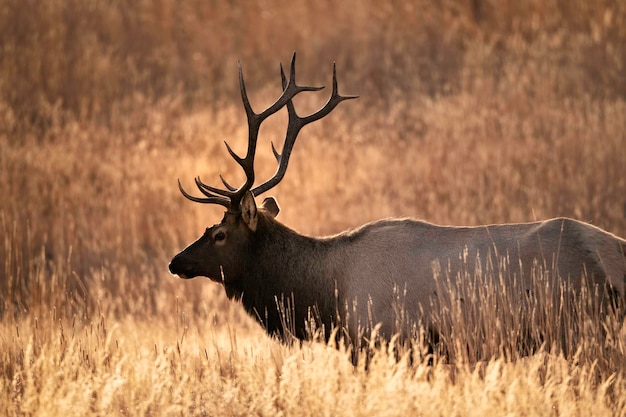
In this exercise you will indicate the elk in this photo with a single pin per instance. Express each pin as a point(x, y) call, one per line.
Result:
point(352, 280)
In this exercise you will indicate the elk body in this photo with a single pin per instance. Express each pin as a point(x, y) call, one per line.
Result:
point(353, 280)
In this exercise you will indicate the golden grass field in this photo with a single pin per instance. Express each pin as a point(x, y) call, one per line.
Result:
point(470, 112)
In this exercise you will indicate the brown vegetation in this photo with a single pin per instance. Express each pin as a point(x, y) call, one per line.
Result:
point(470, 112)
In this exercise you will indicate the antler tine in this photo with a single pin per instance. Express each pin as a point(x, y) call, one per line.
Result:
point(332, 102)
point(227, 185)
point(290, 90)
point(244, 94)
point(290, 109)
point(295, 124)
point(209, 200)
point(210, 191)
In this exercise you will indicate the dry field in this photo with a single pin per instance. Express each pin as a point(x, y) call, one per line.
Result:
point(470, 112)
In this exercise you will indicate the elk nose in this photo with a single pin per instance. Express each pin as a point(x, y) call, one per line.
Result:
point(176, 266)
point(181, 268)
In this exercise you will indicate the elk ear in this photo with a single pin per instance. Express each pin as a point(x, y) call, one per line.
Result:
point(271, 206)
point(248, 211)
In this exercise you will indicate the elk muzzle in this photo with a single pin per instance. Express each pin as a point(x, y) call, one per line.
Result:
point(181, 267)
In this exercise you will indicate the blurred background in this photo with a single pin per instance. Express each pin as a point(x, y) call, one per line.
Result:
point(470, 112)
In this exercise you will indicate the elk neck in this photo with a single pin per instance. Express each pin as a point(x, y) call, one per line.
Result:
point(291, 272)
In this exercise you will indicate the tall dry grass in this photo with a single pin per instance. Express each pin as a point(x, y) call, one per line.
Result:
point(470, 112)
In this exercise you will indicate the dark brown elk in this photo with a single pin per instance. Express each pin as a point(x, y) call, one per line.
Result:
point(291, 283)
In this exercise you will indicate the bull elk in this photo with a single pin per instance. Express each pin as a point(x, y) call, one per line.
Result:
point(270, 267)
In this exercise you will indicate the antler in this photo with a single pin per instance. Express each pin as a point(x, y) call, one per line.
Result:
point(231, 197)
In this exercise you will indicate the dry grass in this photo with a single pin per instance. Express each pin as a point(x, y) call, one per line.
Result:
point(469, 113)
point(190, 366)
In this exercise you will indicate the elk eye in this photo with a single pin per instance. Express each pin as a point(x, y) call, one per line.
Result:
point(219, 236)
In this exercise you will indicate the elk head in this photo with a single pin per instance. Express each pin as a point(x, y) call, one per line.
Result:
point(222, 252)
